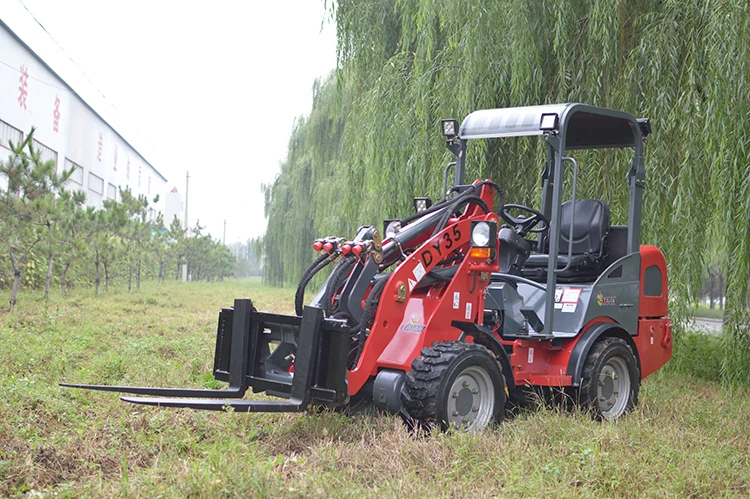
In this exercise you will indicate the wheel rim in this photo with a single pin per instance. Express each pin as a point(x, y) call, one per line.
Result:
point(613, 388)
point(471, 399)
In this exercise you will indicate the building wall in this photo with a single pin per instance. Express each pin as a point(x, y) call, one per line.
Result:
point(174, 208)
point(70, 131)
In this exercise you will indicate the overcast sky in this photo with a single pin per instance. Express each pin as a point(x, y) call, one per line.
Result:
point(213, 86)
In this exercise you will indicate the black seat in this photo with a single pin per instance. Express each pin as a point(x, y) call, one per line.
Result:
point(588, 240)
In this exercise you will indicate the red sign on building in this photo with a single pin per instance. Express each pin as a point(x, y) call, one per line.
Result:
point(56, 115)
point(23, 84)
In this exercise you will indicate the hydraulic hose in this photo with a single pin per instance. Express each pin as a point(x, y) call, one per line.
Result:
point(339, 274)
point(459, 201)
point(432, 209)
point(314, 268)
point(371, 306)
point(497, 188)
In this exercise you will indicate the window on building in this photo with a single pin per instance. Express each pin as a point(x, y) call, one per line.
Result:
point(111, 192)
point(47, 154)
point(96, 184)
point(77, 175)
point(9, 133)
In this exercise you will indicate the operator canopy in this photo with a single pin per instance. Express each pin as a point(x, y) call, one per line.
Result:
point(581, 125)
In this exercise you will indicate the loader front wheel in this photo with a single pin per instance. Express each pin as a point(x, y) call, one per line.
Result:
point(455, 385)
point(610, 379)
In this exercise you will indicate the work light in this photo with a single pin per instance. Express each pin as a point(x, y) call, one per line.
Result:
point(450, 128)
point(422, 204)
point(549, 122)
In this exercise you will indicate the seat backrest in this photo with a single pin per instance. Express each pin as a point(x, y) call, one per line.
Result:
point(590, 226)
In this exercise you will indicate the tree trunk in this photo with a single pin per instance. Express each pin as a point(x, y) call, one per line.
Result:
point(49, 275)
point(62, 277)
point(14, 289)
point(130, 277)
point(106, 277)
point(16, 280)
point(138, 275)
point(721, 291)
point(97, 279)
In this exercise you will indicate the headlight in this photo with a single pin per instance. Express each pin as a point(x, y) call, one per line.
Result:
point(483, 233)
point(480, 235)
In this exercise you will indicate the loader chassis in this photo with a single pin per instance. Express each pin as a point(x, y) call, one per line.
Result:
point(456, 308)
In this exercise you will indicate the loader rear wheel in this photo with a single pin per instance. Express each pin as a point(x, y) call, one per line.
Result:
point(455, 385)
point(610, 379)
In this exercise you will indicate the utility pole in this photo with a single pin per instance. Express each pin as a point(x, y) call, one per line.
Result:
point(184, 265)
point(187, 181)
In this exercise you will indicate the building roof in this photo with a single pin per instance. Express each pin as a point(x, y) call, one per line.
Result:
point(19, 21)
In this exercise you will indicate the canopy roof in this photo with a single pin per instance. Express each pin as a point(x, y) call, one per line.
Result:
point(580, 125)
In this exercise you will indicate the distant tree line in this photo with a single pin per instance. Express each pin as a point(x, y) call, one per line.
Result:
point(51, 238)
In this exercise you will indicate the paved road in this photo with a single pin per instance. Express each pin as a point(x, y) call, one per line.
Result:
point(708, 326)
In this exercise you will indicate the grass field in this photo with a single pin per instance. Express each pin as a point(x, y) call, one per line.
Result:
point(710, 313)
point(689, 437)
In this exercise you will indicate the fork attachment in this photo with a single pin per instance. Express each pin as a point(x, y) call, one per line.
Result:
point(302, 359)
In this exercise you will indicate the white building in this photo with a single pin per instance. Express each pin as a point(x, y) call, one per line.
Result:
point(174, 207)
point(41, 87)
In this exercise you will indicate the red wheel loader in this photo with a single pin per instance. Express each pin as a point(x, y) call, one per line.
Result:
point(456, 307)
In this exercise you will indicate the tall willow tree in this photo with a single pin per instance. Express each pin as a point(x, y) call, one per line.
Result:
point(372, 142)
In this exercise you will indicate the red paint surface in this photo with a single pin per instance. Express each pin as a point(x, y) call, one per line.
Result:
point(653, 306)
point(654, 342)
point(401, 329)
point(547, 366)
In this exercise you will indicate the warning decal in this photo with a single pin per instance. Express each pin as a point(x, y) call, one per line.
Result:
point(419, 271)
point(468, 310)
point(456, 300)
point(412, 283)
point(571, 295)
point(569, 307)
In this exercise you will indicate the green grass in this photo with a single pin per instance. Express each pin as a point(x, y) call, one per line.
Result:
point(689, 437)
point(709, 313)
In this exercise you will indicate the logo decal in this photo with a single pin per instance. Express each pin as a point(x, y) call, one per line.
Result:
point(604, 301)
point(414, 325)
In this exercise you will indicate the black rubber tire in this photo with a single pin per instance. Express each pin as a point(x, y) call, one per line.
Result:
point(606, 352)
point(428, 383)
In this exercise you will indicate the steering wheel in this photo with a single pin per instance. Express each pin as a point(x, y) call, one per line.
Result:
point(526, 224)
